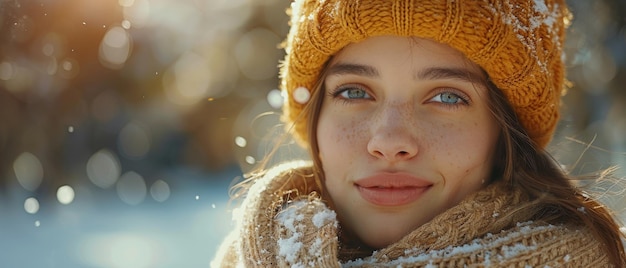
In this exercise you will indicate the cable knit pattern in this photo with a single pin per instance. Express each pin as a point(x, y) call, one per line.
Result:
point(283, 223)
point(517, 42)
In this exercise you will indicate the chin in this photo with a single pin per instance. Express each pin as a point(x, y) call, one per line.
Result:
point(379, 240)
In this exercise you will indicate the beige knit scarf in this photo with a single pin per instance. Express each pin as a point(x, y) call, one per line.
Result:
point(283, 223)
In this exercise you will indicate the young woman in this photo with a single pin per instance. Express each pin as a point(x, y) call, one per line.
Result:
point(427, 123)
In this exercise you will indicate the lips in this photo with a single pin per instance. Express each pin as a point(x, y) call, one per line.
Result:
point(391, 189)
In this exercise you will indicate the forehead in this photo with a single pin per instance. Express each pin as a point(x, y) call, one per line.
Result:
point(404, 52)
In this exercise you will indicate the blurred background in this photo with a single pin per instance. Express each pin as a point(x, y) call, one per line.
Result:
point(124, 122)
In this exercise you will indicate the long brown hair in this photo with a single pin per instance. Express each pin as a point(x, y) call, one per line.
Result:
point(521, 164)
point(555, 198)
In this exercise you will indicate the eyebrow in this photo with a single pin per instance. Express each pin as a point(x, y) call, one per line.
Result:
point(434, 73)
point(431, 73)
point(351, 68)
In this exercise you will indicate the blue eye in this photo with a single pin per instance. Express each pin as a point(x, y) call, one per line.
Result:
point(448, 98)
point(353, 93)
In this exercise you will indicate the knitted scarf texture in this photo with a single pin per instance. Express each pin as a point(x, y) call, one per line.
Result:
point(282, 222)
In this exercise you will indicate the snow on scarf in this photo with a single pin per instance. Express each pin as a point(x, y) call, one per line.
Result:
point(283, 223)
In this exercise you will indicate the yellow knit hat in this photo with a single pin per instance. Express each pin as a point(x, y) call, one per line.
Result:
point(517, 42)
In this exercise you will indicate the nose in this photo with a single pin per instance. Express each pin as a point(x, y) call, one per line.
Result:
point(393, 135)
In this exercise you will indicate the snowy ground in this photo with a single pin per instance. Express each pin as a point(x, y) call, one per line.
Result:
point(98, 230)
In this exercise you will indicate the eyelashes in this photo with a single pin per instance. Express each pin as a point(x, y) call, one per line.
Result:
point(350, 92)
point(450, 96)
point(354, 93)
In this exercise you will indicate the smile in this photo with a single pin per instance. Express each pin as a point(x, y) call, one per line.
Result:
point(390, 189)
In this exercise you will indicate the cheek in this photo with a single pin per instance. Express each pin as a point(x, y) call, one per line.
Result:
point(464, 142)
point(338, 136)
point(467, 152)
point(444, 143)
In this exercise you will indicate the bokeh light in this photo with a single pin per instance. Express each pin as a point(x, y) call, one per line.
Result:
point(275, 99)
point(103, 168)
point(131, 188)
point(115, 48)
point(68, 68)
point(250, 160)
point(160, 191)
point(65, 194)
point(31, 205)
point(28, 171)
point(241, 141)
point(301, 95)
point(188, 81)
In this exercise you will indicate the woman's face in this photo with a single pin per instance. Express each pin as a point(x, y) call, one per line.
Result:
point(404, 133)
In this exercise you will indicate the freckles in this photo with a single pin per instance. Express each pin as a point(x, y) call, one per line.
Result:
point(450, 140)
point(348, 132)
point(341, 134)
